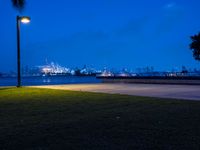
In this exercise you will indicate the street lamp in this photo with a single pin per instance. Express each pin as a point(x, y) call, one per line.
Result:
point(23, 19)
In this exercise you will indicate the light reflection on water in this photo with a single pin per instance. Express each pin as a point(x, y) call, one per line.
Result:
point(46, 81)
point(51, 80)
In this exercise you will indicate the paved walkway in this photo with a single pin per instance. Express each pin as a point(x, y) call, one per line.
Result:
point(188, 92)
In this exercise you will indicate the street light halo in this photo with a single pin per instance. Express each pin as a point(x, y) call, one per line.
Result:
point(25, 19)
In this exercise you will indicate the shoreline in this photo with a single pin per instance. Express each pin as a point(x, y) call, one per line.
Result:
point(184, 80)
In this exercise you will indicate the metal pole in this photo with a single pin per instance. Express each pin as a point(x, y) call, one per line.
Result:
point(18, 53)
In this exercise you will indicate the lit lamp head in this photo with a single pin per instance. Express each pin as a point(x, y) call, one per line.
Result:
point(25, 19)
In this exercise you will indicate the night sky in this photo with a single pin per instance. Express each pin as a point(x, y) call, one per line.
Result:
point(101, 33)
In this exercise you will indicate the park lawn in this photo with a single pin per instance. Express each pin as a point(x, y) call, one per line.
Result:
point(40, 119)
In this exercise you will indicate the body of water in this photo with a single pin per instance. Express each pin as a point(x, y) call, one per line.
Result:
point(50, 80)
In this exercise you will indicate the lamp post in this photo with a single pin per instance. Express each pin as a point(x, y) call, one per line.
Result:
point(23, 19)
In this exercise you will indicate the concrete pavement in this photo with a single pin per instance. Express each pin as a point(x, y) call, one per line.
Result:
point(187, 92)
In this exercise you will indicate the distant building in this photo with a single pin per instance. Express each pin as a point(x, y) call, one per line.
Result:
point(54, 69)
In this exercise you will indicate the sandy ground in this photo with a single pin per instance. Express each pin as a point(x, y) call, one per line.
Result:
point(187, 92)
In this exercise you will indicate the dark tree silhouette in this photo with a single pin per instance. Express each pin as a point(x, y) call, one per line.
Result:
point(195, 46)
point(18, 4)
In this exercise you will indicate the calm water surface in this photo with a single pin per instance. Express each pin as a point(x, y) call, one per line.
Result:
point(51, 80)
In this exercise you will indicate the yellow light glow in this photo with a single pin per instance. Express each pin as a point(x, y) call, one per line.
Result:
point(25, 20)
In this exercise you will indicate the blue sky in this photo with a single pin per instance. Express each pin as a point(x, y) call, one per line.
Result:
point(101, 33)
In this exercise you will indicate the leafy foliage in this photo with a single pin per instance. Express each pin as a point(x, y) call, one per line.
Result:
point(195, 46)
point(18, 4)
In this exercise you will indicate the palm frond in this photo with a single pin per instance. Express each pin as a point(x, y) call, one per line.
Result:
point(18, 4)
point(195, 46)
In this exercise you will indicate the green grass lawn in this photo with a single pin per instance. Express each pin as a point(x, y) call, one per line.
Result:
point(55, 119)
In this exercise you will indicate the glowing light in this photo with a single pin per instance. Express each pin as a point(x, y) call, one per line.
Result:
point(25, 19)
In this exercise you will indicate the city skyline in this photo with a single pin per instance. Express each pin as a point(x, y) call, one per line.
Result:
point(55, 68)
point(113, 34)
